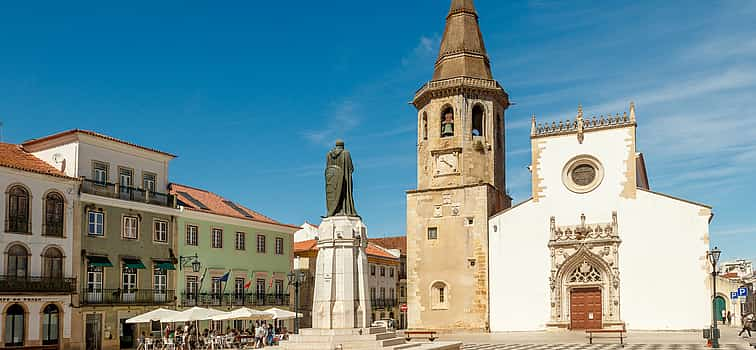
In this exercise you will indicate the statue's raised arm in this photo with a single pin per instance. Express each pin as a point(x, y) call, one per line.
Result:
point(338, 182)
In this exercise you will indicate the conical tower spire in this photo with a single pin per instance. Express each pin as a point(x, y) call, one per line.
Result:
point(462, 52)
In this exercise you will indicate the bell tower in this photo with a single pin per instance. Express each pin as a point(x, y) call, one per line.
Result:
point(460, 181)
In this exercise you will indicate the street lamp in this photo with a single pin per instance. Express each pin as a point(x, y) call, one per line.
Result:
point(193, 259)
point(296, 279)
point(713, 256)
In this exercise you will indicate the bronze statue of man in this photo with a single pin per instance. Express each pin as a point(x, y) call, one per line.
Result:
point(338, 180)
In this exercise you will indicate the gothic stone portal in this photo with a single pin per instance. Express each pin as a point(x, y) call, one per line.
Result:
point(584, 279)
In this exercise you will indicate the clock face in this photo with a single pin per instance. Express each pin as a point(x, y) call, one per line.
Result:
point(446, 164)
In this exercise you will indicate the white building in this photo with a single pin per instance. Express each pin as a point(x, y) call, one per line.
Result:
point(307, 232)
point(585, 250)
point(39, 253)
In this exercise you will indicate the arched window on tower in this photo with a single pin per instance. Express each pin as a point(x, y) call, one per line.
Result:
point(447, 122)
point(477, 120)
point(425, 126)
point(439, 295)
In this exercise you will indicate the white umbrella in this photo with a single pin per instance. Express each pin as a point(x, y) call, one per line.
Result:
point(193, 314)
point(243, 314)
point(154, 315)
point(280, 314)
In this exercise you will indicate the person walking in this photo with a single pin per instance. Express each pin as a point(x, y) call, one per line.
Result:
point(747, 324)
point(729, 318)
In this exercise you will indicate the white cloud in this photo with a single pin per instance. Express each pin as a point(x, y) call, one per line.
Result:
point(343, 118)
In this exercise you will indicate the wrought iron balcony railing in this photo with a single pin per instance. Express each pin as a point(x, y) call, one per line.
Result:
point(119, 296)
point(382, 303)
point(111, 190)
point(16, 284)
point(233, 299)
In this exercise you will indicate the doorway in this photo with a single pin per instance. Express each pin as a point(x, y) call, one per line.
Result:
point(585, 308)
point(127, 334)
point(719, 306)
point(93, 332)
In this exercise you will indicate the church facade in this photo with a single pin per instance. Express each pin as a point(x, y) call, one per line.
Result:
point(582, 252)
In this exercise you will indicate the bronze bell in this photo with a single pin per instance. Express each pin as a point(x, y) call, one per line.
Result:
point(447, 127)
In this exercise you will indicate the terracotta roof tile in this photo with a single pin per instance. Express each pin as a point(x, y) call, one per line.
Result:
point(14, 156)
point(209, 202)
point(399, 242)
point(372, 249)
point(95, 134)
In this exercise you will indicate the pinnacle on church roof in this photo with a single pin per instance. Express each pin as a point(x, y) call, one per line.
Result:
point(462, 52)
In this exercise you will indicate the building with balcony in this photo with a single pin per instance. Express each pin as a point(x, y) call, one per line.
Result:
point(398, 243)
point(37, 271)
point(229, 255)
point(383, 277)
point(127, 221)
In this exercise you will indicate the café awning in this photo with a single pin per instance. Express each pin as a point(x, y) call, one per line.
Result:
point(100, 261)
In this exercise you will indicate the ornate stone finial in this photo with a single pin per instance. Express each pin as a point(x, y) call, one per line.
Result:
point(632, 111)
point(579, 124)
point(533, 125)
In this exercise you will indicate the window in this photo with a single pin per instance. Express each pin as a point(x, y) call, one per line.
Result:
point(54, 215)
point(383, 271)
point(192, 286)
point(240, 240)
point(161, 231)
point(96, 223)
point(239, 289)
point(279, 246)
point(125, 178)
point(260, 288)
point(447, 122)
point(477, 121)
point(160, 280)
point(217, 238)
point(432, 233)
point(52, 263)
point(192, 235)
point(402, 293)
point(14, 326)
point(439, 296)
point(18, 261)
point(372, 293)
point(100, 172)
point(18, 210)
point(130, 229)
point(50, 325)
point(261, 243)
point(391, 293)
point(372, 270)
point(391, 272)
point(469, 221)
point(383, 293)
point(94, 279)
point(279, 289)
point(425, 126)
point(148, 182)
point(216, 288)
point(129, 279)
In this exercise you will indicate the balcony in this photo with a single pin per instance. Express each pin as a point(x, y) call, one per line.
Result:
point(111, 190)
point(93, 296)
point(382, 303)
point(38, 284)
point(232, 299)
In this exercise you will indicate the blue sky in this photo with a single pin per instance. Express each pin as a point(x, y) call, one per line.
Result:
point(251, 95)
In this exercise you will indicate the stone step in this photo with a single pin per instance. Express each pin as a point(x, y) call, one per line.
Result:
point(403, 346)
point(302, 338)
point(393, 342)
point(387, 335)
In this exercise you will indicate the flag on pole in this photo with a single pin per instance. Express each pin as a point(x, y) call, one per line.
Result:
point(225, 277)
point(248, 284)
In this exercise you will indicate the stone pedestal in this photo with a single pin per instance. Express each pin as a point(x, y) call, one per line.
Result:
point(341, 298)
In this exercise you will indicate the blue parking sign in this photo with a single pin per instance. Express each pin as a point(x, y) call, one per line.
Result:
point(733, 295)
point(742, 292)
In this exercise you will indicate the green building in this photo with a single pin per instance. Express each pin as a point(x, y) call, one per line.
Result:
point(217, 238)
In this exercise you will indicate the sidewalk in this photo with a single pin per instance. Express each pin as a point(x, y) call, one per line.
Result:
point(729, 336)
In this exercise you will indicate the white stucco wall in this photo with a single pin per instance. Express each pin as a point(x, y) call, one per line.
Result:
point(39, 185)
point(655, 231)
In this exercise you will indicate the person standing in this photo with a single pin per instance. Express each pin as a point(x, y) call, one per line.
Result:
point(747, 323)
point(729, 318)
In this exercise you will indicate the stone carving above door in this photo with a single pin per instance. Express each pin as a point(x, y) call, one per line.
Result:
point(584, 255)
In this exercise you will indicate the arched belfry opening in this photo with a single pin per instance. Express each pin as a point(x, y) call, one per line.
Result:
point(424, 126)
point(447, 122)
point(478, 120)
